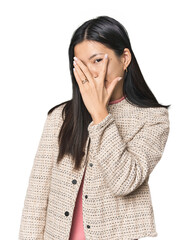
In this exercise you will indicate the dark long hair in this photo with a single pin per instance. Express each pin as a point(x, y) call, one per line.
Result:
point(73, 133)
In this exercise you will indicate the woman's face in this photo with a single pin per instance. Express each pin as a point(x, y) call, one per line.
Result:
point(91, 53)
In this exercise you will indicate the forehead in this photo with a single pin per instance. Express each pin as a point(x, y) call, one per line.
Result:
point(87, 48)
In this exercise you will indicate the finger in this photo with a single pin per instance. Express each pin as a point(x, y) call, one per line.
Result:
point(78, 79)
point(79, 73)
point(104, 68)
point(112, 86)
point(83, 69)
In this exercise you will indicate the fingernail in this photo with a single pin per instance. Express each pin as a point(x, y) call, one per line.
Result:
point(106, 55)
point(75, 58)
point(119, 78)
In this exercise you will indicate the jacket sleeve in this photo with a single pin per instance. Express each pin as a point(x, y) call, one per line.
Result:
point(126, 165)
point(36, 199)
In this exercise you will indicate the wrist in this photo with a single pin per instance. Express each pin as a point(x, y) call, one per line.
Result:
point(98, 117)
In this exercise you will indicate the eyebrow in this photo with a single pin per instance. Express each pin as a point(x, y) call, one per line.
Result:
point(95, 55)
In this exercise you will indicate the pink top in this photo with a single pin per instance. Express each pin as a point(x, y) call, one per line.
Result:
point(77, 229)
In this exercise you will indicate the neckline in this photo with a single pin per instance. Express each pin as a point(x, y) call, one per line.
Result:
point(116, 101)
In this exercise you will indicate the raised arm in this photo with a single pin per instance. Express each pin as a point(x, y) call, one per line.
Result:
point(126, 165)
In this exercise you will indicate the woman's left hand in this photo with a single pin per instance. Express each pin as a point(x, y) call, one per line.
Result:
point(94, 93)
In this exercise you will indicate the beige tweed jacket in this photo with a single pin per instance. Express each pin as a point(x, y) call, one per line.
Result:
point(124, 148)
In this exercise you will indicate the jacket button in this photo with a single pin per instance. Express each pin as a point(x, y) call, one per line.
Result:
point(88, 226)
point(66, 213)
point(91, 164)
point(74, 181)
point(86, 196)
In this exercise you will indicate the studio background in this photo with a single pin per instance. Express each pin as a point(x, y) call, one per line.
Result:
point(34, 76)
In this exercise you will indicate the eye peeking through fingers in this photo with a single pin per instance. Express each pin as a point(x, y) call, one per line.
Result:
point(98, 60)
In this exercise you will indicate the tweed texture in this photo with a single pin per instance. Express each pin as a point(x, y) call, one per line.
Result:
point(124, 148)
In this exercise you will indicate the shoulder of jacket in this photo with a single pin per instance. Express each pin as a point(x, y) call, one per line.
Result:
point(56, 111)
point(156, 114)
point(54, 117)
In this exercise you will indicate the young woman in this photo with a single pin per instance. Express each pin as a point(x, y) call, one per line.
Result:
point(90, 174)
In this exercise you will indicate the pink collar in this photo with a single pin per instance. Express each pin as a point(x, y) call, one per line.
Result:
point(117, 100)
